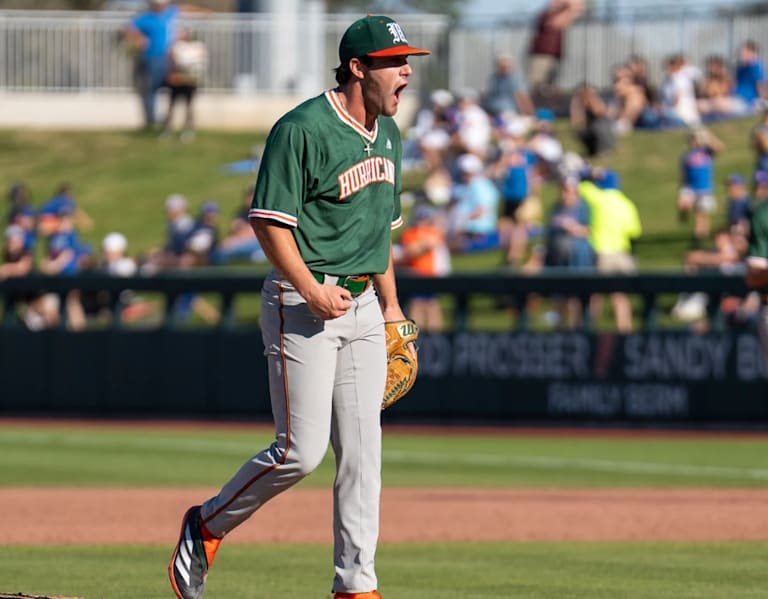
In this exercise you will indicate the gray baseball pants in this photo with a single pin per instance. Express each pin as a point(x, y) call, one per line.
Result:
point(326, 381)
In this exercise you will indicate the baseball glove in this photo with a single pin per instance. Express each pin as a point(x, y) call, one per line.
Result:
point(401, 365)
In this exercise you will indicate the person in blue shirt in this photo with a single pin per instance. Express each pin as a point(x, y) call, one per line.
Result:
point(199, 249)
point(179, 227)
point(62, 197)
point(697, 182)
point(759, 140)
point(476, 208)
point(151, 34)
point(203, 240)
point(568, 229)
point(64, 255)
point(240, 243)
point(737, 204)
point(507, 92)
point(22, 214)
point(63, 246)
point(750, 75)
point(568, 246)
point(514, 175)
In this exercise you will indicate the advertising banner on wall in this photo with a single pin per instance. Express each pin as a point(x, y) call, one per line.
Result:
point(666, 376)
point(569, 377)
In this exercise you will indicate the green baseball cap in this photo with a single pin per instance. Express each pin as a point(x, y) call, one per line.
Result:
point(375, 35)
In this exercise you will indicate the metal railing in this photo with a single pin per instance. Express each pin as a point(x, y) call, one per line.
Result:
point(512, 291)
point(81, 51)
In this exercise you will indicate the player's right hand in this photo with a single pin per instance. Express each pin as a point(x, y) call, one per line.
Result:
point(329, 301)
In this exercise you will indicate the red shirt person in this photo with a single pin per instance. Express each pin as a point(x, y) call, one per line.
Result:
point(546, 50)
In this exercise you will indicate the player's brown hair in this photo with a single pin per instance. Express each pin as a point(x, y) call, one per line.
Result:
point(343, 72)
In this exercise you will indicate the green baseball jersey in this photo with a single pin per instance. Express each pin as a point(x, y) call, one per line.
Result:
point(335, 183)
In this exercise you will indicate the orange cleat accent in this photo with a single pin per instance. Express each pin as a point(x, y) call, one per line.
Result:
point(368, 595)
point(192, 556)
point(210, 544)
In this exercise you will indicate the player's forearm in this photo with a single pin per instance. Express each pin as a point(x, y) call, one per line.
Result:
point(387, 292)
point(281, 250)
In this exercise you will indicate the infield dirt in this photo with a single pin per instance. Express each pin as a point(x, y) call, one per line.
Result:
point(121, 516)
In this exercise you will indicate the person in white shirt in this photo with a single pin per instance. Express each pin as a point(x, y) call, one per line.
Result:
point(678, 93)
point(188, 60)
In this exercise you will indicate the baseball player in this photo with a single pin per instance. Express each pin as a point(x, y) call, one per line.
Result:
point(326, 199)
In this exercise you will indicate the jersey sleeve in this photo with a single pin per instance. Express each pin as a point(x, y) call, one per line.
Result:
point(280, 184)
point(397, 217)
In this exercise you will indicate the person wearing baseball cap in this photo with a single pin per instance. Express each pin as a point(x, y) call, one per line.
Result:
point(375, 36)
point(369, 45)
point(761, 178)
point(326, 200)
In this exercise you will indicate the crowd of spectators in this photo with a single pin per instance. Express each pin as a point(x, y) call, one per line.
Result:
point(486, 157)
point(489, 155)
point(687, 96)
point(47, 239)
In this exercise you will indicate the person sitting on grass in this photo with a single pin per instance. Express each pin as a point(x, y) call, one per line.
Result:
point(240, 243)
point(476, 208)
point(64, 257)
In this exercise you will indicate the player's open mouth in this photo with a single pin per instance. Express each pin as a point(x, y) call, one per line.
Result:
point(399, 91)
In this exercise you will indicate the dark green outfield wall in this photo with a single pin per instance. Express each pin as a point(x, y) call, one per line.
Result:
point(506, 377)
point(655, 376)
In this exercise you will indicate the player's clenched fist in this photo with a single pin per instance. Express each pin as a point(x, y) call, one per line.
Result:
point(329, 301)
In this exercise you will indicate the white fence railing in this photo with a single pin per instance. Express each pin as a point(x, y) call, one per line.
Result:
point(593, 47)
point(81, 51)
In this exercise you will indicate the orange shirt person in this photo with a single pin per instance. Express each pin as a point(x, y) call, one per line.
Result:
point(425, 252)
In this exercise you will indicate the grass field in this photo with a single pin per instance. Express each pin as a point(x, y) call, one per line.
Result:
point(136, 456)
point(144, 456)
point(122, 178)
point(737, 570)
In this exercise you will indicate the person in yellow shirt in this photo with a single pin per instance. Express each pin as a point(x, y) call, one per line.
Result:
point(615, 225)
